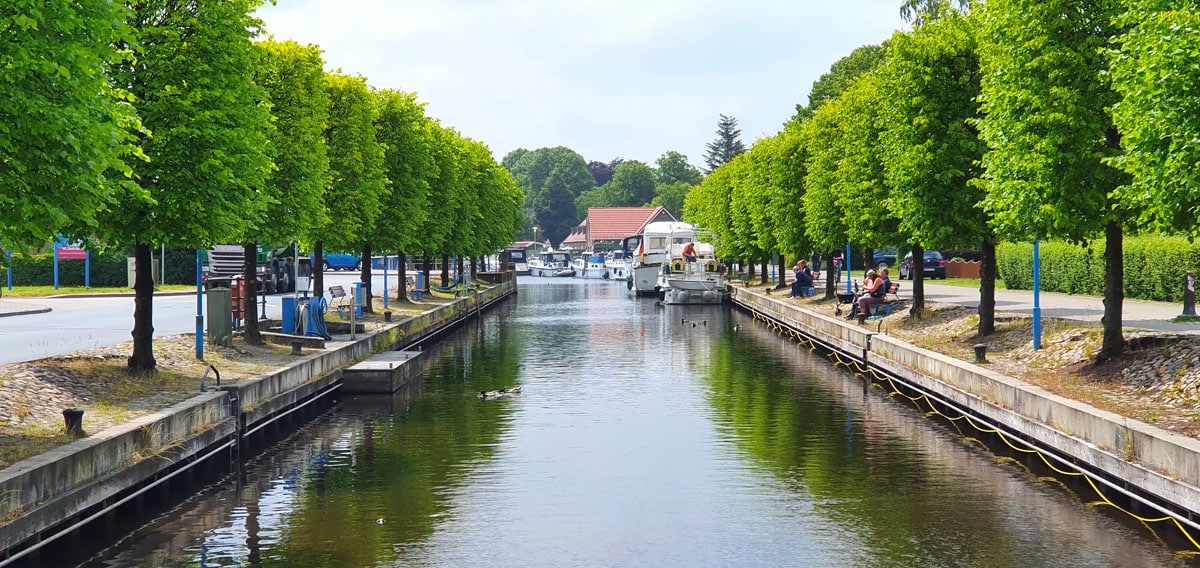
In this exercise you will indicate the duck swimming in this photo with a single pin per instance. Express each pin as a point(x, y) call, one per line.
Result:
point(499, 393)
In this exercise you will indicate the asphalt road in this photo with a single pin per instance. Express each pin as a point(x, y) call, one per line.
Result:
point(36, 328)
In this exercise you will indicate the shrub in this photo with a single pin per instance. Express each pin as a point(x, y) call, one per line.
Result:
point(1154, 267)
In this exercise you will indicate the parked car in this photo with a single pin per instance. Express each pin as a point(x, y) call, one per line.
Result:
point(935, 265)
point(340, 261)
point(885, 256)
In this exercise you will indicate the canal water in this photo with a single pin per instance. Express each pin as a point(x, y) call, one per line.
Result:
point(643, 435)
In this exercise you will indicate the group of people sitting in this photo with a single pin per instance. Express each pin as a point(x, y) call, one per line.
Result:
point(803, 285)
point(874, 291)
point(874, 288)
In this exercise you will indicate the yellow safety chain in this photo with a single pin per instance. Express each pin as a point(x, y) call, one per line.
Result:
point(876, 377)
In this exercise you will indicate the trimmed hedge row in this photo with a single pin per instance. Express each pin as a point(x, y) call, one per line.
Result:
point(108, 269)
point(1154, 267)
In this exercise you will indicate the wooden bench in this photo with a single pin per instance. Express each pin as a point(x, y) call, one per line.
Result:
point(889, 300)
point(339, 301)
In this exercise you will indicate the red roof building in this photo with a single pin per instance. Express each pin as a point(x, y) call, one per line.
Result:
point(605, 227)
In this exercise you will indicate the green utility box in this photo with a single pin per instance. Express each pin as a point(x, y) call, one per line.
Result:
point(220, 316)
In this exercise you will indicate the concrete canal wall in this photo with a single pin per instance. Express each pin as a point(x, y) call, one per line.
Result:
point(1133, 457)
point(42, 495)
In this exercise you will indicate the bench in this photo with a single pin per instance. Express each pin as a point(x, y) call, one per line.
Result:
point(339, 300)
point(889, 300)
point(459, 286)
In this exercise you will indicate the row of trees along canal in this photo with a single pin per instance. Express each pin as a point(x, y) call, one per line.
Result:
point(1021, 120)
point(156, 122)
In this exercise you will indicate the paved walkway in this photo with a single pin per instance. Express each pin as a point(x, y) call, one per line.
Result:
point(22, 306)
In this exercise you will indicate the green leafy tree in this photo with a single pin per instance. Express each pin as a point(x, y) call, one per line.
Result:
point(671, 197)
point(404, 130)
point(633, 184)
point(708, 206)
point(294, 79)
point(359, 181)
point(1049, 134)
point(839, 78)
point(533, 171)
point(554, 207)
point(726, 146)
point(826, 222)
point(919, 12)
point(673, 167)
point(931, 78)
point(66, 130)
point(1153, 68)
point(209, 155)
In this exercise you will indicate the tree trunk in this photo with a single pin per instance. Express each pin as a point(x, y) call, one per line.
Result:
point(987, 288)
point(425, 259)
point(750, 266)
point(782, 272)
point(918, 281)
point(402, 274)
point(365, 278)
point(318, 268)
point(252, 335)
point(766, 267)
point(830, 278)
point(445, 270)
point(1114, 292)
point(142, 360)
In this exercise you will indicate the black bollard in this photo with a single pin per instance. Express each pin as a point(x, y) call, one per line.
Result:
point(862, 318)
point(1189, 294)
point(296, 345)
point(387, 316)
point(981, 353)
point(74, 419)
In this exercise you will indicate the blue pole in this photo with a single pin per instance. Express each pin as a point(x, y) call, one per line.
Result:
point(10, 271)
point(848, 289)
point(199, 308)
point(56, 245)
point(1037, 308)
point(87, 269)
point(385, 288)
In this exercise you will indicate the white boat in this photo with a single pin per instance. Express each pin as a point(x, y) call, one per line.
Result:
point(551, 263)
point(651, 250)
point(515, 256)
point(615, 266)
point(589, 265)
point(701, 281)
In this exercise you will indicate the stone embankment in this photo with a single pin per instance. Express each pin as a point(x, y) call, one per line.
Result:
point(1130, 458)
point(87, 477)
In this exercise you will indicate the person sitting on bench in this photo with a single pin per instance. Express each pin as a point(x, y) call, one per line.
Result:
point(876, 294)
point(804, 279)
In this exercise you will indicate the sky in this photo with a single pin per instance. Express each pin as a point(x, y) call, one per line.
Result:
point(619, 78)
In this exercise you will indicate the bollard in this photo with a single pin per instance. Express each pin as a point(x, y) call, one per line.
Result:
point(74, 419)
point(981, 353)
point(1189, 294)
point(296, 345)
point(387, 316)
point(862, 318)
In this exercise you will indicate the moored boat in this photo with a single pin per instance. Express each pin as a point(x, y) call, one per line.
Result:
point(616, 267)
point(589, 265)
point(550, 263)
point(652, 249)
point(699, 280)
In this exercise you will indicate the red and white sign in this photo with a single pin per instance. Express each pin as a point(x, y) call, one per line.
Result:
point(71, 253)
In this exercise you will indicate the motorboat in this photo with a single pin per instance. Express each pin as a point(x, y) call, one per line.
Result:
point(550, 263)
point(515, 256)
point(653, 248)
point(699, 280)
point(589, 265)
point(616, 267)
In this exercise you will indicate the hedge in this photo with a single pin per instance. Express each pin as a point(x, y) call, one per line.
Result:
point(108, 269)
point(1154, 267)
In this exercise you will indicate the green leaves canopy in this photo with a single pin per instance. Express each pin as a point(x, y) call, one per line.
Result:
point(64, 130)
point(356, 164)
point(1155, 67)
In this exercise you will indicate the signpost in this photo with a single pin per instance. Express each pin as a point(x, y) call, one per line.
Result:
point(64, 252)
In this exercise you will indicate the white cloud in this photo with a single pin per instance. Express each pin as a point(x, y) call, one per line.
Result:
point(616, 78)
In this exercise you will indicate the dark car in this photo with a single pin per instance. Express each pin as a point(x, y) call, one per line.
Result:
point(885, 256)
point(935, 265)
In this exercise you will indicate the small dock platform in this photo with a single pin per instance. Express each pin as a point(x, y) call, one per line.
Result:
point(382, 373)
